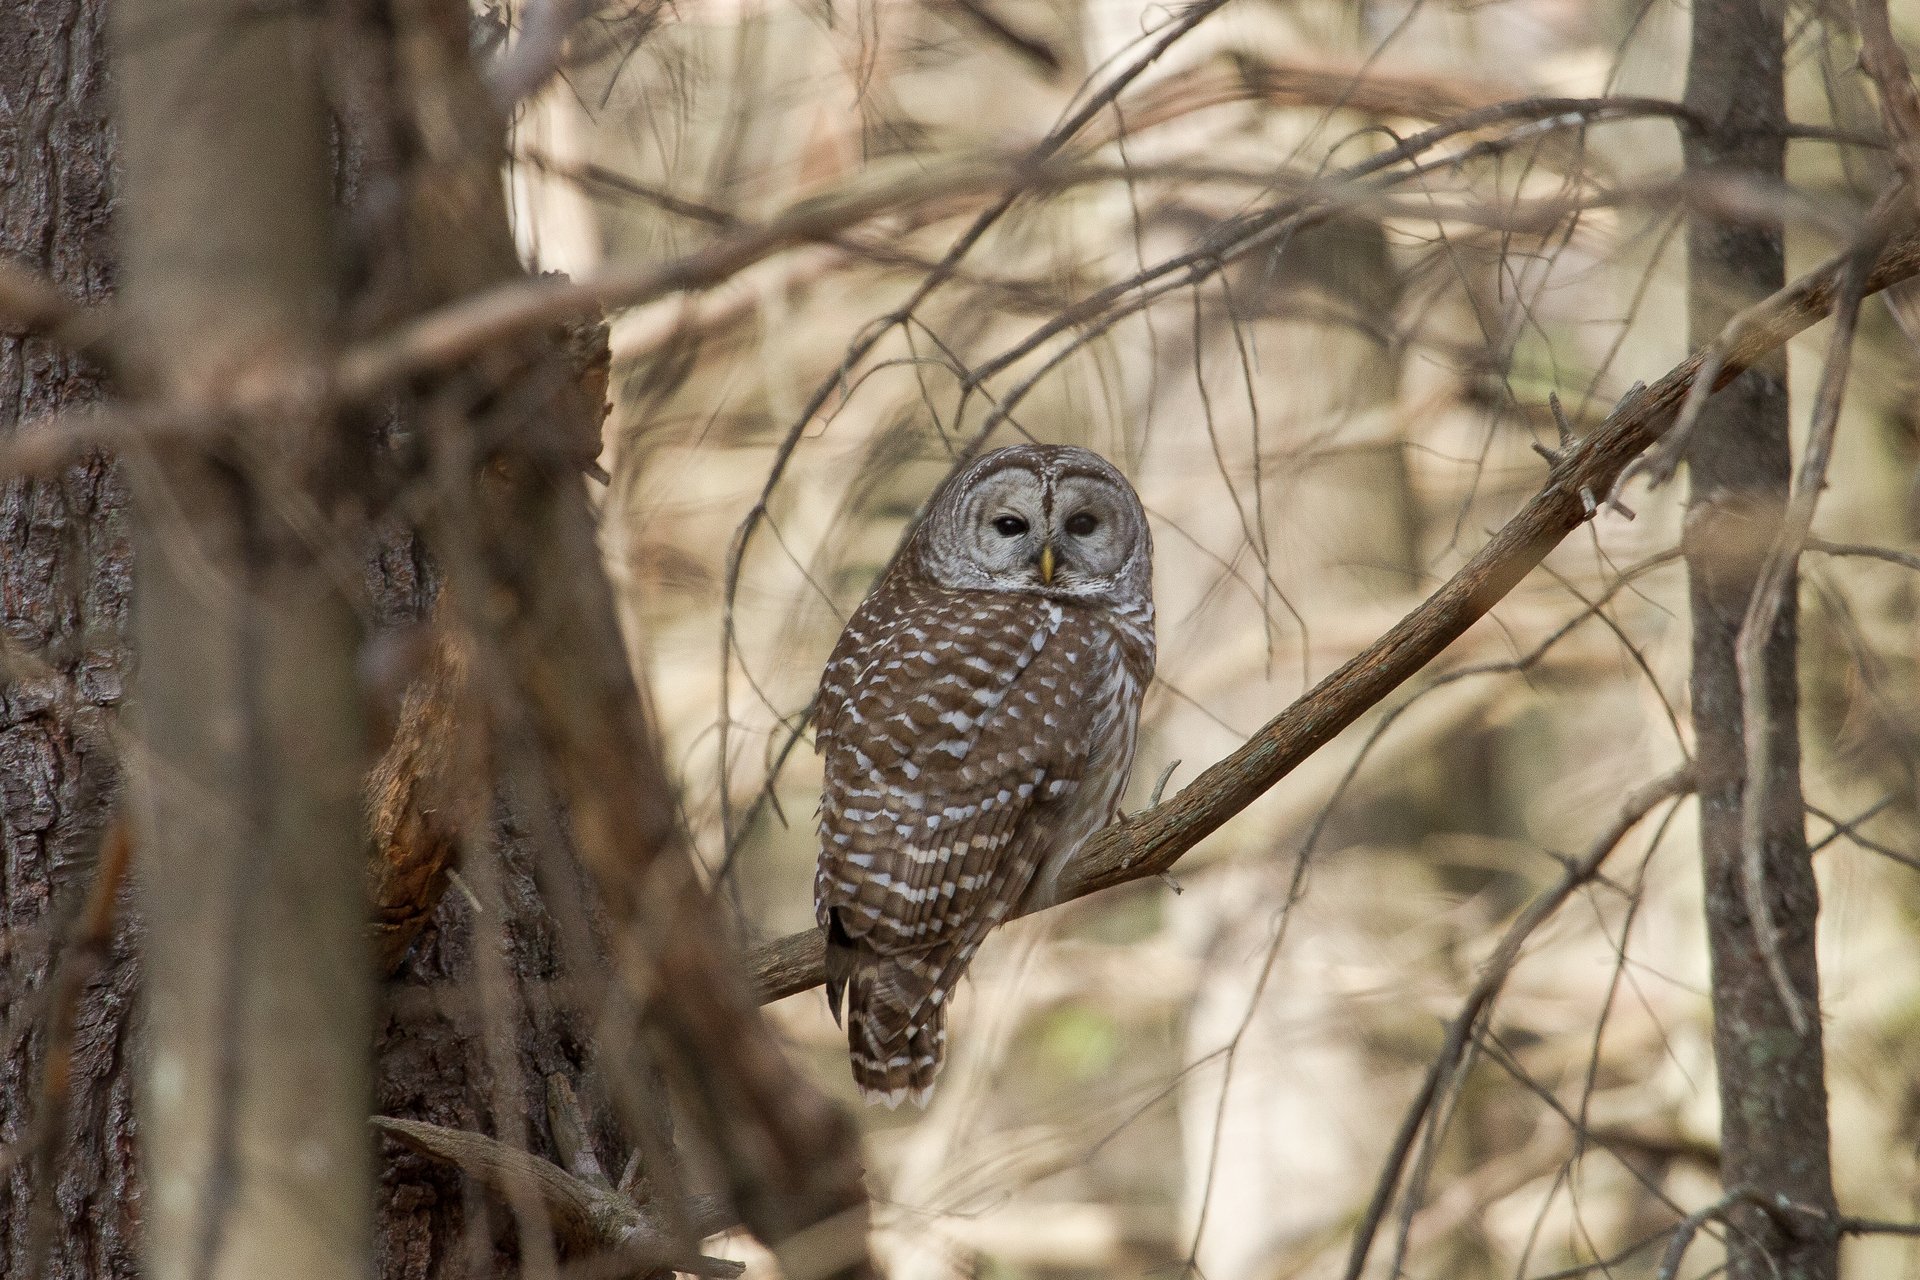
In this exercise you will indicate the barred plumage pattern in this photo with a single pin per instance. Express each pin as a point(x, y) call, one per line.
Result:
point(973, 738)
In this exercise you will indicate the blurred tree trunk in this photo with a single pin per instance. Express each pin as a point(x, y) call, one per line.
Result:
point(257, 981)
point(482, 1008)
point(1774, 1136)
point(67, 1193)
point(70, 1188)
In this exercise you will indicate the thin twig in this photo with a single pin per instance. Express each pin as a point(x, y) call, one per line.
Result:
point(994, 26)
point(1849, 830)
point(1688, 1227)
point(1763, 615)
point(1851, 1226)
point(1886, 66)
point(1905, 559)
point(1492, 978)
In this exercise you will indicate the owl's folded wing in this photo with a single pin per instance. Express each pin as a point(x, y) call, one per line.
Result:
point(949, 765)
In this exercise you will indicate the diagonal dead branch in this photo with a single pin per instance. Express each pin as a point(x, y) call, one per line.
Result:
point(1886, 66)
point(1154, 840)
point(585, 1216)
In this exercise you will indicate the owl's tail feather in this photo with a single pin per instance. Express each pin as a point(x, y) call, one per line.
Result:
point(896, 1029)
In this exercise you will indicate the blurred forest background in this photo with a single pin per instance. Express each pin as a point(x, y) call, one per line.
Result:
point(1321, 433)
point(1324, 354)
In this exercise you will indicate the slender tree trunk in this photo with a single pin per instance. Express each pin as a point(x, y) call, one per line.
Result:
point(1772, 1086)
point(255, 1078)
point(67, 1203)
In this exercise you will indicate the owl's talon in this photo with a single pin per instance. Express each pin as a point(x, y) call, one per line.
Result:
point(1170, 882)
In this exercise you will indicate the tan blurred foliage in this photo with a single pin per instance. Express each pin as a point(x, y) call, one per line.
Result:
point(1322, 431)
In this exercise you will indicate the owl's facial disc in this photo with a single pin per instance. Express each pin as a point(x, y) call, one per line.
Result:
point(1061, 534)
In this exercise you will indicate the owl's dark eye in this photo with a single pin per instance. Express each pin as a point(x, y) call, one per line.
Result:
point(1082, 523)
point(1009, 526)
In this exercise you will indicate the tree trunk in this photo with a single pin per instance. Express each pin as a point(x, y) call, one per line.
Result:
point(1774, 1138)
point(67, 1194)
point(255, 1071)
point(70, 1190)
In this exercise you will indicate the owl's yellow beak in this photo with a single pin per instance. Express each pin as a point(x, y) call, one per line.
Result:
point(1046, 564)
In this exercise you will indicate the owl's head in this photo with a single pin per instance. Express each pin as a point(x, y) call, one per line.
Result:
point(1054, 520)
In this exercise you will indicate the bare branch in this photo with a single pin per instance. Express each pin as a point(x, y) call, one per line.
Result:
point(1905, 559)
point(584, 1215)
point(995, 27)
point(1886, 66)
point(1689, 1227)
point(466, 327)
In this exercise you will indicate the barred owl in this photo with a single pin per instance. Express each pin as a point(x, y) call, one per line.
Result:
point(977, 720)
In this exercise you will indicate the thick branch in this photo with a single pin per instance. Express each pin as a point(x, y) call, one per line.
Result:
point(1152, 842)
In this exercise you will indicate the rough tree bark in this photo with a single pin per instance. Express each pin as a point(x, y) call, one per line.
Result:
point(478, 1010)
point(527, 588)
point(64, 573)
point(1774, 1136)
point(69, 1185)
